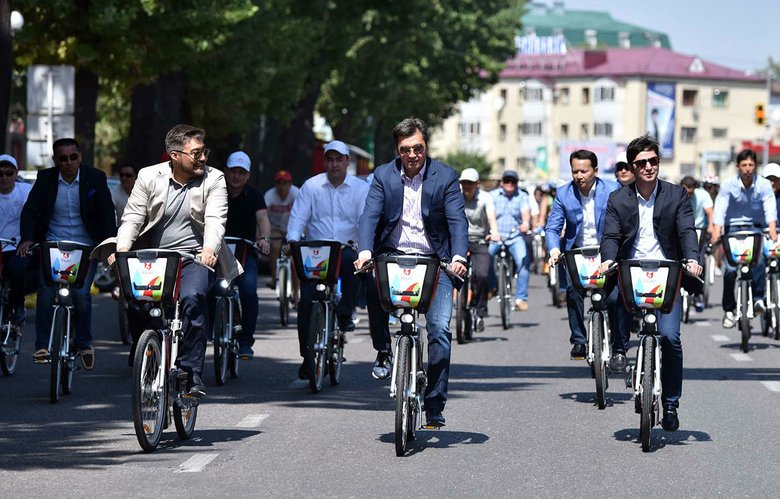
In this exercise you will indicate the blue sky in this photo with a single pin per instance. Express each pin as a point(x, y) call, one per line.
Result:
point(739, 34)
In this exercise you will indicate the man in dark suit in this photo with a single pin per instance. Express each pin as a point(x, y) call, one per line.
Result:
point(415, 206)
point(653, 219)
point(69, 201)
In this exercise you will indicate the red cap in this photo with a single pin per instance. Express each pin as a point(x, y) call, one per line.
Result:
point(283, 175)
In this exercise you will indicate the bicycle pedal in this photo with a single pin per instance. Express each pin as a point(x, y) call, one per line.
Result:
point(435, 426)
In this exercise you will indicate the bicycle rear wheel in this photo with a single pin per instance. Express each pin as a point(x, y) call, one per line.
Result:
point(222, 333)
point(284, 299)
point(69, 362)
point(56, 355)
point(233, 362)
point(315, 359)
point(185, 412)
point(9, 356)
point(744, 321)
point(461, 312)
point(599, 366)
point(148, 397)
point(504, 288)
point(336, 356)
point(646, 392)
point(403, 409)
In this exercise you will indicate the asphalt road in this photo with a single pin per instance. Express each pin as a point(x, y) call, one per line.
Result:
point(521, 422)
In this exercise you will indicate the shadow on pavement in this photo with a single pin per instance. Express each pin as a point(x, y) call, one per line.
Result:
point(660, 438)
point(437, 439)
point(613, 398)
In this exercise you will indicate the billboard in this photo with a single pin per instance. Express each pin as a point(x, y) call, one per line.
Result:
point(606, 153)
point(660, 116)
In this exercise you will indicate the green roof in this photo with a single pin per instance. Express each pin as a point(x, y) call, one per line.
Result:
point(572, 24)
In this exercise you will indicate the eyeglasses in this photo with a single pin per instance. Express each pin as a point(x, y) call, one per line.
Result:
point(8, 173)
point(642, 163)
point(622, 168)
point(196, 154)
point(63, 158)
point(126, 175)
point(406, 150)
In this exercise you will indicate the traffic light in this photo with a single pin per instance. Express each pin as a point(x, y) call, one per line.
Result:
point(760, 116)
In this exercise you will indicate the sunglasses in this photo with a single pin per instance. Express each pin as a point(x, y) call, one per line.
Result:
point(196, 154)
point(508, 180)
point(642, 163)
point(622, 168)
point(126, 175)
point(64, 158)
point(406, 150)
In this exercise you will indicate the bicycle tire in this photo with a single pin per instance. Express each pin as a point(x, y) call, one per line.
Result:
point(744, 321)
point(470, 319)
point(221, 334)
point(284, 299)
point(599, 366)
point(55, 357)
point(233, 363)
point(707, 284)
point(646, 393)
point(9, 361)
point(686, 308)
point(315, 361)
point(148, 403)
point(69, 362)
point(502, 289)
point(335, 356)
point(403, 409)
point(775, 283)
point(124, 328)
point(184, 417)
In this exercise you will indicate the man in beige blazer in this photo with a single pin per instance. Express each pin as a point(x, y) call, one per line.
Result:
point(182, 205)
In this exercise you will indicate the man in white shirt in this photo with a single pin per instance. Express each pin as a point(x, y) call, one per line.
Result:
point(12, 198)
point(279, 200)
point(121, 192)
point(328, 207)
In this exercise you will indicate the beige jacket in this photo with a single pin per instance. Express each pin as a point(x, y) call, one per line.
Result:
point(146, 207)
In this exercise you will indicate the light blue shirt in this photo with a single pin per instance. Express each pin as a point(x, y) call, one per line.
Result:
point(736, 205)
point(66, 223)
point(700, 201)
point(646, 243)
point(509, 210)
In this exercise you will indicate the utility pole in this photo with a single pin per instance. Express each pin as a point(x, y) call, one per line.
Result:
point(768, 127)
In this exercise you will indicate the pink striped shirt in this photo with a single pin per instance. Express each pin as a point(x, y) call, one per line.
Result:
point(409, 235)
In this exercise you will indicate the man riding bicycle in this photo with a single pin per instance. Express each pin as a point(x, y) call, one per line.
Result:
point(13, 195)
point(702, 205)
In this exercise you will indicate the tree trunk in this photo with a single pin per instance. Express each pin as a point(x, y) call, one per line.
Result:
point(384, 148)
point(6, 69)
point(87, 88)
point(155, 109)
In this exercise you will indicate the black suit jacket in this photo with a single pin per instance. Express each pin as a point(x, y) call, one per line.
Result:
point(97, 209)
point(672, 221)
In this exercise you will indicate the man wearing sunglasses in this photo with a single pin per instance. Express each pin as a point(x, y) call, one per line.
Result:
point(120, 193)
point(623, 173)
point(13, 195)
point(653, 219)
point(69, 202)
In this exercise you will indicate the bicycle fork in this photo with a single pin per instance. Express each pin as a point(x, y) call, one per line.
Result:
point(606, 352)
point(743, 274)
point(66, 340)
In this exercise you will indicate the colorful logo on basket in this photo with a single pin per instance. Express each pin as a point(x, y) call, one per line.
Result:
point(148, 278)
point(649, 287)
point(588, 271)
point(405, 295)
point(151, 291)
point(315, 261)
point(771, 248)
point(315, 270)
point(64, 274)
point(741, 249)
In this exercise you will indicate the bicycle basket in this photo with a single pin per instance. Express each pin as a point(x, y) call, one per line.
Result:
point(406, 281)
point(65, 262)
point(742, 247)
point(771, 248)
point(317, 260)
point(149, 275)
point(583, 267)
point(650, 284)
point(238, 247)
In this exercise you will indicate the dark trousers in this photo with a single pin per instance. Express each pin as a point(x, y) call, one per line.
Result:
point(730, 279)
point(247, 293)
point(14, 268)
point(480, 265)
point(671, 355)
point(345, 308)
point(193, 302)
point(619, 318)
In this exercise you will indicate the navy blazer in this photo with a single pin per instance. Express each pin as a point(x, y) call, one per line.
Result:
point(672, 221)
point(96, 207)
point(443, 212)
point(568, 208)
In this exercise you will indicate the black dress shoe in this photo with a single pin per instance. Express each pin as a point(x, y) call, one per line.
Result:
point(434, 419)
point(670, 422)
point(303, 371)
point(578, 351)
point(618, 363)
point(197, 388)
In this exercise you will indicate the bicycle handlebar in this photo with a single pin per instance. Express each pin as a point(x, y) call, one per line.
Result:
point(443, 265)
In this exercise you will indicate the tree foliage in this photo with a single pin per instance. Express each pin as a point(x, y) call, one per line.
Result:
point(461, 160)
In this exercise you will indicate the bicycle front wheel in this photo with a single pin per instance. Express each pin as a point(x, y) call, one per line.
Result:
point(599, 366)
point(185, 412)
point(403, 406)
point(461, 313)
point(233, 362)
point(57, 356)
point(646, 392)
point(686, 308)
point(149, 397)
point(774, 289)
point(284, 298)
point(9, 356)
point(336, 356)
point(315, 359)
point(504, 292)
point(744, 321)
point(222, 332)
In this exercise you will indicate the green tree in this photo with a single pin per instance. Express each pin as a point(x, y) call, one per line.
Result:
point(461, 160)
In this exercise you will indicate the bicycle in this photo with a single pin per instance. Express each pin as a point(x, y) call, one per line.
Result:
point(406, 285)
point(742, 249)
point(538, 252)
point(10, 333)
point(688, 300)
point(770, 321)
point(582, 265)
point(318, 262)
point(465, 310)
point(650, 287)
point(151, 279)
point(284, 286)
point(65, 263)
point(709, 270)
point(505, 269)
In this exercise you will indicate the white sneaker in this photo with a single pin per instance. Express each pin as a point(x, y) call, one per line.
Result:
point(729, 320)
point(758, 307)
point(718, 272)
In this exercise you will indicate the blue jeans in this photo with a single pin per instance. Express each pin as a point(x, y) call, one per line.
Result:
point(82, 307)
point(618, 326)
point(730, 279)
point(247, 293)
point(519, 251)
point(439, 339)
point(671, 355)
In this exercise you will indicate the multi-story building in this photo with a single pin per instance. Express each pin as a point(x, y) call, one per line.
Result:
point(546, 106)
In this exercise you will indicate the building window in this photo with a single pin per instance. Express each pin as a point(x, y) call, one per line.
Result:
point(502, 132)
point(519, 164)
point(690, 97)
point(687, 135)
point(532, 128)
point(604, 94)
point(584, 133)
point(624, 40)
point(563, 96)
point(519, 133)
point(532, 94)
point(591, 38)
point(473, 129)
point(503, 94)
point(564, 130)
point(586, 95)
point(720, 133)
point(602, 129)
point(720, 98)
point(501, 163)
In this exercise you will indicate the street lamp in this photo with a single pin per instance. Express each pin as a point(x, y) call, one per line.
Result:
point(17, 21)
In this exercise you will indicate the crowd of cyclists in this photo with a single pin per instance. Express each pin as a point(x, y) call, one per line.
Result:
point(411, 205)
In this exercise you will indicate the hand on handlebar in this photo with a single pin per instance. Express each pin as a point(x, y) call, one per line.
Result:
point(555, 254)
point(207, 257)
point(605, 266)
point(458, 268)
point(264, 245)
point(693, 268)
point(24, 248)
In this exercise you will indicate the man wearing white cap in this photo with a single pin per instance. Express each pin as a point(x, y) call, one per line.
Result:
point(247, 217)
point(481, 215)
point(12, 198)
point(623, 173)
point(328, 207)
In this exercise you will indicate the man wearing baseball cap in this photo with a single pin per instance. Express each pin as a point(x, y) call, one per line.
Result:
point(247, 218)
point(328, 207)
point(13, 195)
point(279, 199)
point(623, 173)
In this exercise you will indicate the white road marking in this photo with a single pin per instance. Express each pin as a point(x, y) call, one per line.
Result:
point(251, 421)
point(721, 338)
point(741, 357)
point(702, 323)
point(772, 386)
point(298, 382)
point(196, 463)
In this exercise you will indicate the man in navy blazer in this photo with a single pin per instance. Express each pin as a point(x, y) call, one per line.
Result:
point(69, 201)
point(580, 207)
point(653, 219)
point(415, 206)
